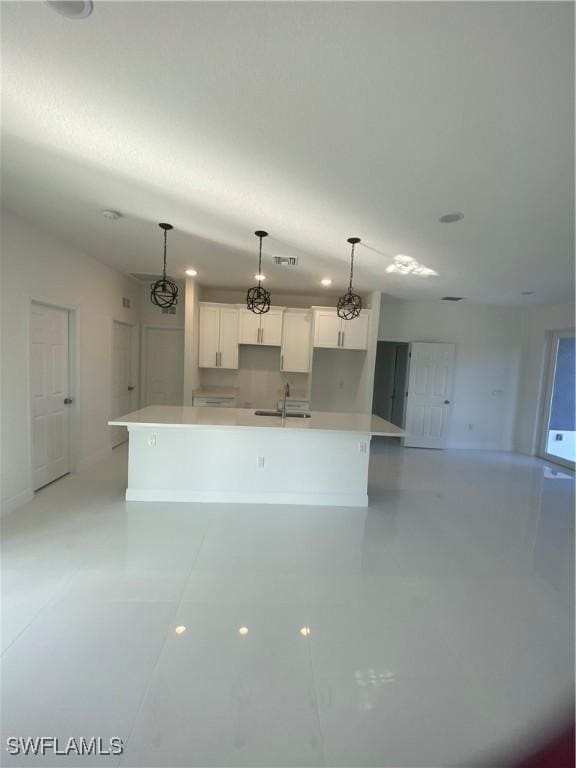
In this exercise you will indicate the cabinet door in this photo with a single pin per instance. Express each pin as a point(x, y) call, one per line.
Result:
point(208, 342)
point(228, 337)
point(355, 332)
point(249, 327)
point(327, 327)
point(296, 342)
point(271, 325)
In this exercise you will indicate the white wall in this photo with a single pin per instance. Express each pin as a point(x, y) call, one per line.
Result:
point(35, 265)
point(488, 351)
point(536, 324)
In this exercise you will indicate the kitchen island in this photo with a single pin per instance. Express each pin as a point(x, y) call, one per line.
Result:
point(234, 455)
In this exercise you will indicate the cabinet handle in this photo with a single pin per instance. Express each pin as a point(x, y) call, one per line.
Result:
point(339, 334)
point(282, 362)
point(343, 334)
point(219, 359)
point(216, 364)
point(261, 335)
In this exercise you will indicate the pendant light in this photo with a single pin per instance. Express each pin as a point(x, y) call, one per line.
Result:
point(164, 292)
point(350, 305)
point(258, 298)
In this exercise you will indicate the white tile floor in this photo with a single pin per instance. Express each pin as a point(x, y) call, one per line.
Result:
point(432, 629)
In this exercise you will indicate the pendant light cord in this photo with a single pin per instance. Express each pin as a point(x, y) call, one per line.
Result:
point(260, 261)
point(164, 270)
point(351, 266)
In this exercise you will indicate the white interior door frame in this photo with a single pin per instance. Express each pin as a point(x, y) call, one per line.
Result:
point(73, 381)
point(144, 353)
point(547, 391)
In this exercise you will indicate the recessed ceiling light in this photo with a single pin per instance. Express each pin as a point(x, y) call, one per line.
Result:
point(243, 631)
point(326, 281)
point(72, 9)
point(191, 272)
point(259, 277)
point(108, 213)
point(450, 218)
point(527, 293)
point(180, 630)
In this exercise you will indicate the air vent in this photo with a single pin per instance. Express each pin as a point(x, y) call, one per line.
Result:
point(285, 261)
point(169, 310)
point(452, 298)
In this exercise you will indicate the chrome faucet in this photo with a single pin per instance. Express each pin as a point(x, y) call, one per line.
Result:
point(286, 394)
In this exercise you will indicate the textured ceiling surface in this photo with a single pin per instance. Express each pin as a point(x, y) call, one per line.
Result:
point(314, 121)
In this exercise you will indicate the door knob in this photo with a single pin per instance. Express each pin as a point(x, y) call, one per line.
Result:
point(446, 402)
point(68, 401)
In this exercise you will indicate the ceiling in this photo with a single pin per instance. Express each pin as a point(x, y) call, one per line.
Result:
point(314, 121)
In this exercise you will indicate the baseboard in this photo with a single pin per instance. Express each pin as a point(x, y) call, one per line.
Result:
point(14, 503)
point(219, 497)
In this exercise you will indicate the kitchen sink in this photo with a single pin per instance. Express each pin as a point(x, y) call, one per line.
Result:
point(289, 414)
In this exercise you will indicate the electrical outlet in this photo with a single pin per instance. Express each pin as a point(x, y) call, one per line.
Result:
point(152, 441)
point(470, 427)
point(363, 446)
point(260, 461)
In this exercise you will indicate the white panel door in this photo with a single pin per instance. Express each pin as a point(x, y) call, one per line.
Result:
point(208, 343)
point(164, 355)
point(428, 407)
point(327, 327)
point(271, 328)
point(122, 386)
point(49, 382)
point(355, 332)
point(249, 327)
point(296, 342)
point(228, 337)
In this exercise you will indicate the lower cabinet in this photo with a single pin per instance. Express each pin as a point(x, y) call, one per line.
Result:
point(296, 340)
point(205, 401)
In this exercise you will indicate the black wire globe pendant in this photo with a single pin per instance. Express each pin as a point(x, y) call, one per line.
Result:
point(164, 292)
point(350, 305)
point(258, 299)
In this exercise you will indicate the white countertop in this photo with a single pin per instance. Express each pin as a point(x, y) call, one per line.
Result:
point(244, 418)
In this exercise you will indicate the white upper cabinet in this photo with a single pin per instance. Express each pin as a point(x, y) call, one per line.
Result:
point(209, 338)
point(218, 337)
point(249, 327)
point(296, 339)
point(263, 329)
point(331, 332)
point(327, 328)
point(355, 332)
point(271, 327)
point(228, 337)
